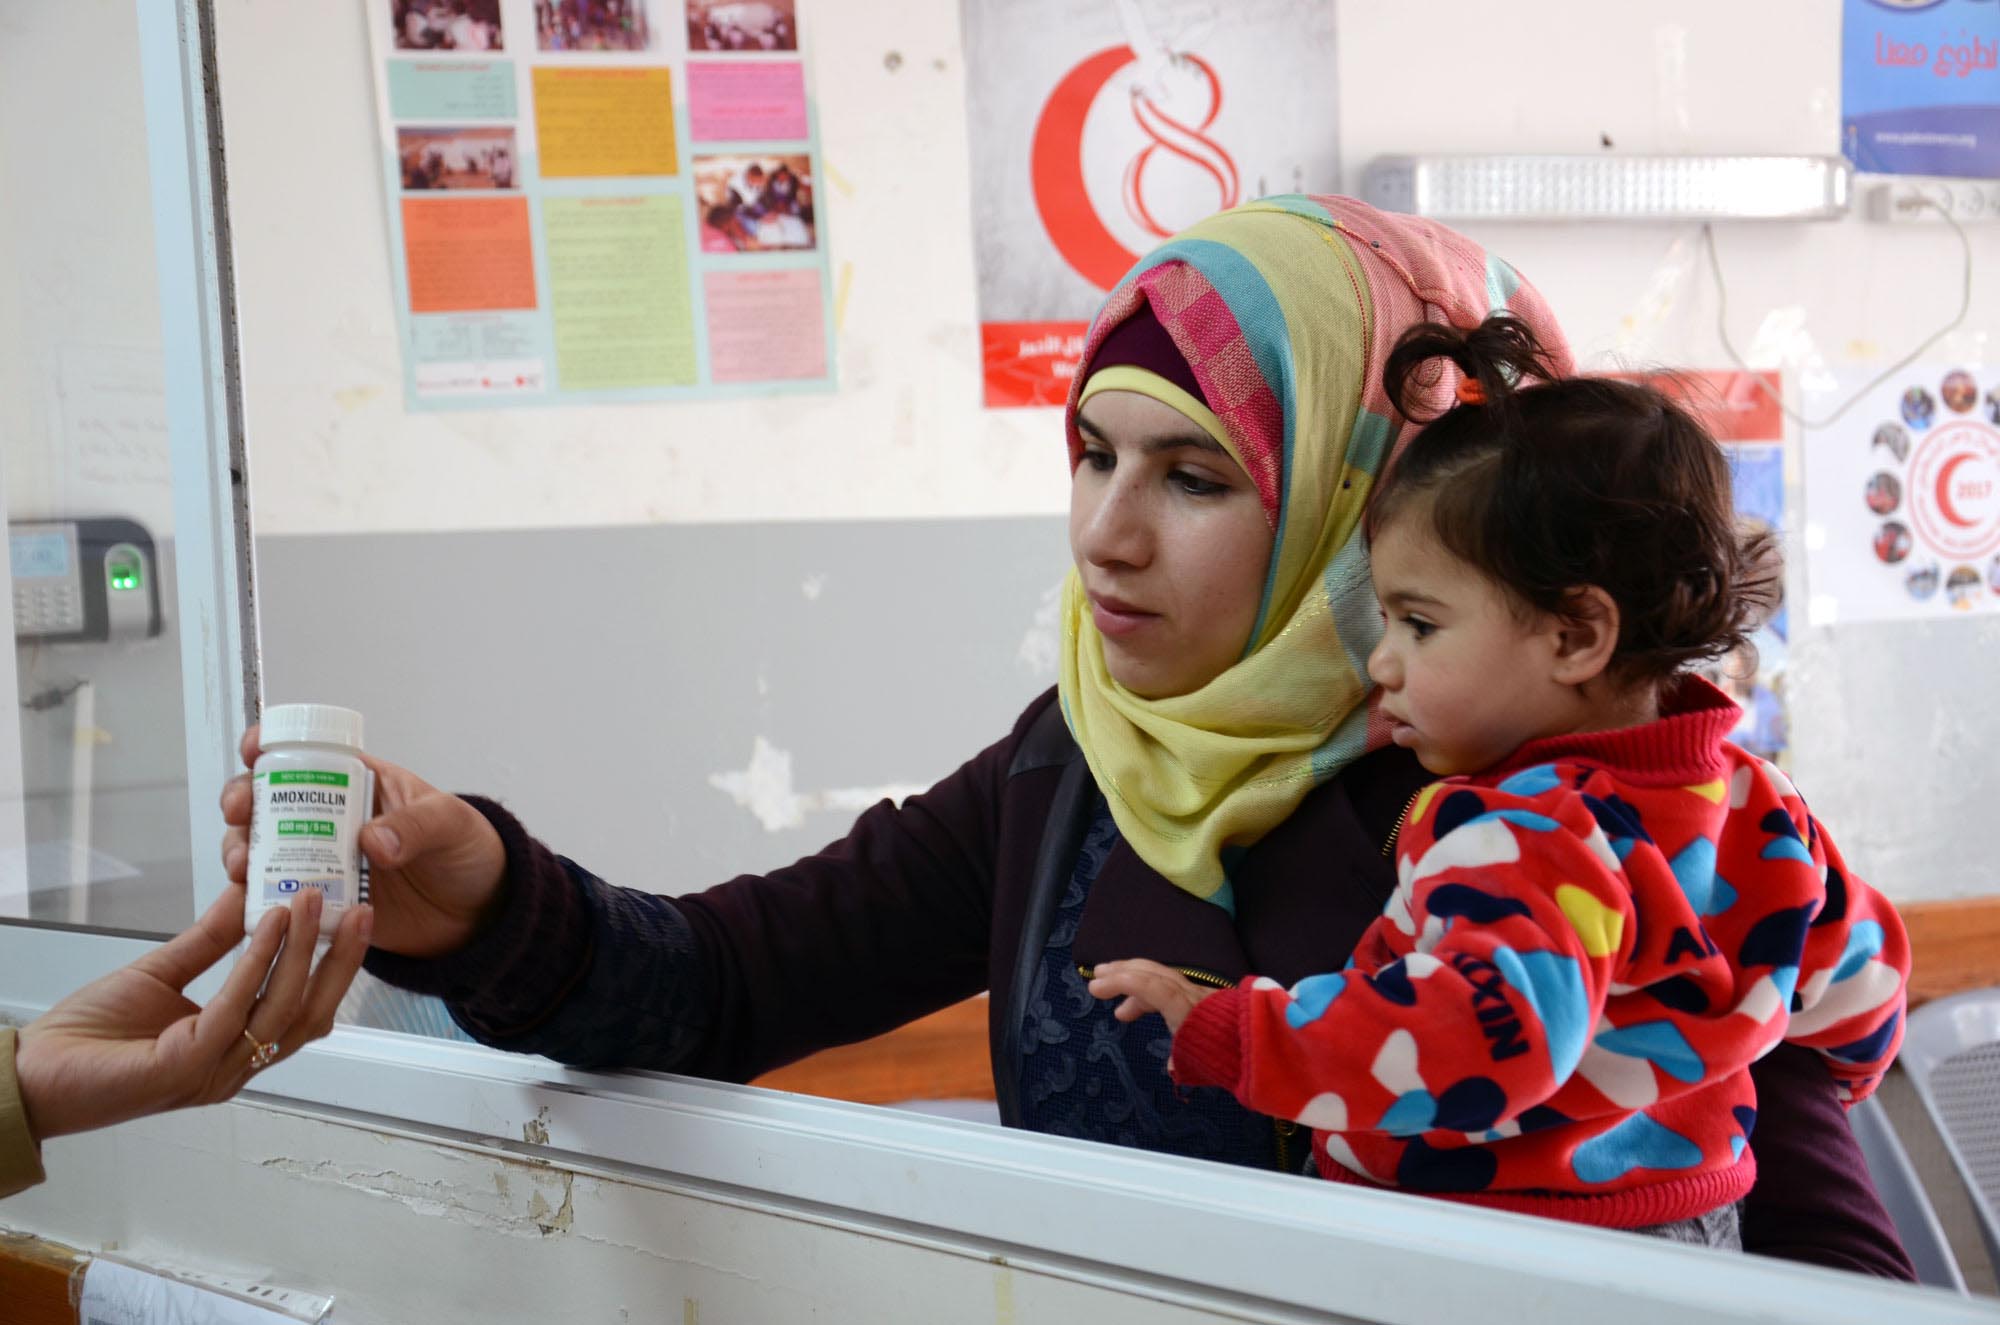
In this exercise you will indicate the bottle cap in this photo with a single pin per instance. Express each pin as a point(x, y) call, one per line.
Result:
point(321, 724)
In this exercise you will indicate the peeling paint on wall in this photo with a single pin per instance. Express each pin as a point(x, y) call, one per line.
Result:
point(547, 1211)
point(1041, 643)
point(560, 1220)
point(765, 789)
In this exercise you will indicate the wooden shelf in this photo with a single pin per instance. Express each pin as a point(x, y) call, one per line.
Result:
point(35, 1278)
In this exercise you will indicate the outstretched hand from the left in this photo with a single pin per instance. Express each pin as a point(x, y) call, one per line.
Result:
point(132, 1043)
point(1147, 987)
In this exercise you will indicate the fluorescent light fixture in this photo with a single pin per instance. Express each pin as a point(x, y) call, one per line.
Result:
point(1611, 188)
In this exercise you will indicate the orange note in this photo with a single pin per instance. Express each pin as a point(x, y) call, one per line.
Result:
point(596, 122)
point(468, 254)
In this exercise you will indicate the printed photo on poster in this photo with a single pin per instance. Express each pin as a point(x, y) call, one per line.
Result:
point(754, 204)
point(1903, 507)
point(742, 25)
point(592, 25)
point(1101, 127)
point(447, 25)
point(457, 158)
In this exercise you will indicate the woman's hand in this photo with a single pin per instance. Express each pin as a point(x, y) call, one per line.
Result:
point(436, 865)
point(131, 1043)
point(1147, 987)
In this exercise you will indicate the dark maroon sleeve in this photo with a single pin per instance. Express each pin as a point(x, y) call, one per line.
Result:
point(1814, 1200)
point(525, 958)
point(888, 923)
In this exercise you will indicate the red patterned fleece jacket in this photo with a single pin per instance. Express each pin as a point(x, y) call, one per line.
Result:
point(1588, 947)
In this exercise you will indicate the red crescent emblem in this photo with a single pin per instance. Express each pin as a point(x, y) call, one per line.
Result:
point(1056, 164)
point(1945, 508)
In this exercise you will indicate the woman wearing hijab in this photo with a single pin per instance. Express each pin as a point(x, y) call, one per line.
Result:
point(1208, 785)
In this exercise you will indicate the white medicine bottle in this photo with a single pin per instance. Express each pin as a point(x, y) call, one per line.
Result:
point(310, 794)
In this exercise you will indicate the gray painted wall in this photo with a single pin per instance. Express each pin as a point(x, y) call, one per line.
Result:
point(595, 679)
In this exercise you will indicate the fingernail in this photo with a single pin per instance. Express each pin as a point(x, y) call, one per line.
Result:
point(387, 844)
point(366, 924)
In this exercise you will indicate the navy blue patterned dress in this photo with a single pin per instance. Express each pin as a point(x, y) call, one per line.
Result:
point(1086, 1074)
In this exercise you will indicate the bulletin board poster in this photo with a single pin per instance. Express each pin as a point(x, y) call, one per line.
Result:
point(1101, 127)
point(1920, 87)
point(1903, 501)
point(1742, 411)
point(601, 200)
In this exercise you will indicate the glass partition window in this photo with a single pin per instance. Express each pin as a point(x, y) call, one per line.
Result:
point(94, 817)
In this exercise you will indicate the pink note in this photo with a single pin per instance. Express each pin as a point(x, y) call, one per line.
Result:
point(751, 101)
point(765, 326)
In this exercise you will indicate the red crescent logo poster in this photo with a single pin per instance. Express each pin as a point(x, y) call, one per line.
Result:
point(1903, 500)
point(1102, 127)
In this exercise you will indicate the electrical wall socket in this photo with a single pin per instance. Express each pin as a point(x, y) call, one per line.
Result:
point(1919, 199)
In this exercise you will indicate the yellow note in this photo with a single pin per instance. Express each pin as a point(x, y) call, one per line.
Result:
point(595, 122)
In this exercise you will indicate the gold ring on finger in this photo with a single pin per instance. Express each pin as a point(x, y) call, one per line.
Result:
point(263, 1053)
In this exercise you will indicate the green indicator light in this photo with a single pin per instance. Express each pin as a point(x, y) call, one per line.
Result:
point(124, 575)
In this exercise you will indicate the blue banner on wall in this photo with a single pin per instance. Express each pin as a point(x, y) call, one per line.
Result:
point(1920, 87)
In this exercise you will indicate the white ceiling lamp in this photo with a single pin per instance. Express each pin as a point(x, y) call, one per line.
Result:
point(1611, 188)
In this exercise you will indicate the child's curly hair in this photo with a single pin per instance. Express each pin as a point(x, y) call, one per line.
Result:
point(1548, 484)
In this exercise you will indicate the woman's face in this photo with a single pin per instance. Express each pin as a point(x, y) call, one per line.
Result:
point(1170, 541)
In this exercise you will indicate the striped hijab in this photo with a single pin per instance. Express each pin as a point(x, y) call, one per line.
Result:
point(1285, 309)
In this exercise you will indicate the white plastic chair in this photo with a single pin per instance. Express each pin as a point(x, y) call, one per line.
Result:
point(1903, 1196)
point(1951, 1050)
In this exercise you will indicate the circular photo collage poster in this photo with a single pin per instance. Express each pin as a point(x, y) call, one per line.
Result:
point(1903, 501)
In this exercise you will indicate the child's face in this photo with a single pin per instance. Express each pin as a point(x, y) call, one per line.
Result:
point(1465, 679)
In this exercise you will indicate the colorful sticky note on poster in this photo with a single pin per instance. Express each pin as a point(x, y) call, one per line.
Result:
point(1920, 87)
point(598, 122)
point(618, 292)
point(745, 102)
point(443, 93)
point(765, 326)
point(468, 254)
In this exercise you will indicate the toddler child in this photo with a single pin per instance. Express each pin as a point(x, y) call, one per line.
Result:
point(1605, 912)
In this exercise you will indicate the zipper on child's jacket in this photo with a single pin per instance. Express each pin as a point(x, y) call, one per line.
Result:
point(1389, 847)
point(1282, 1128)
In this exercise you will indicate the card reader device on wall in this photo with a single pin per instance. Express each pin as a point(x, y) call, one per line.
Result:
point(83, 580)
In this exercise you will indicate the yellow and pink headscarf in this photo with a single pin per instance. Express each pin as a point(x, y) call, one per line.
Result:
point(1284, 311)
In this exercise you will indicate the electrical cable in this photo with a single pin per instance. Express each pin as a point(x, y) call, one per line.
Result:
point(1722, 323)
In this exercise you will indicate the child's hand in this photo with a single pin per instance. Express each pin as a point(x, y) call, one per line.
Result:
point(1147, 987)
